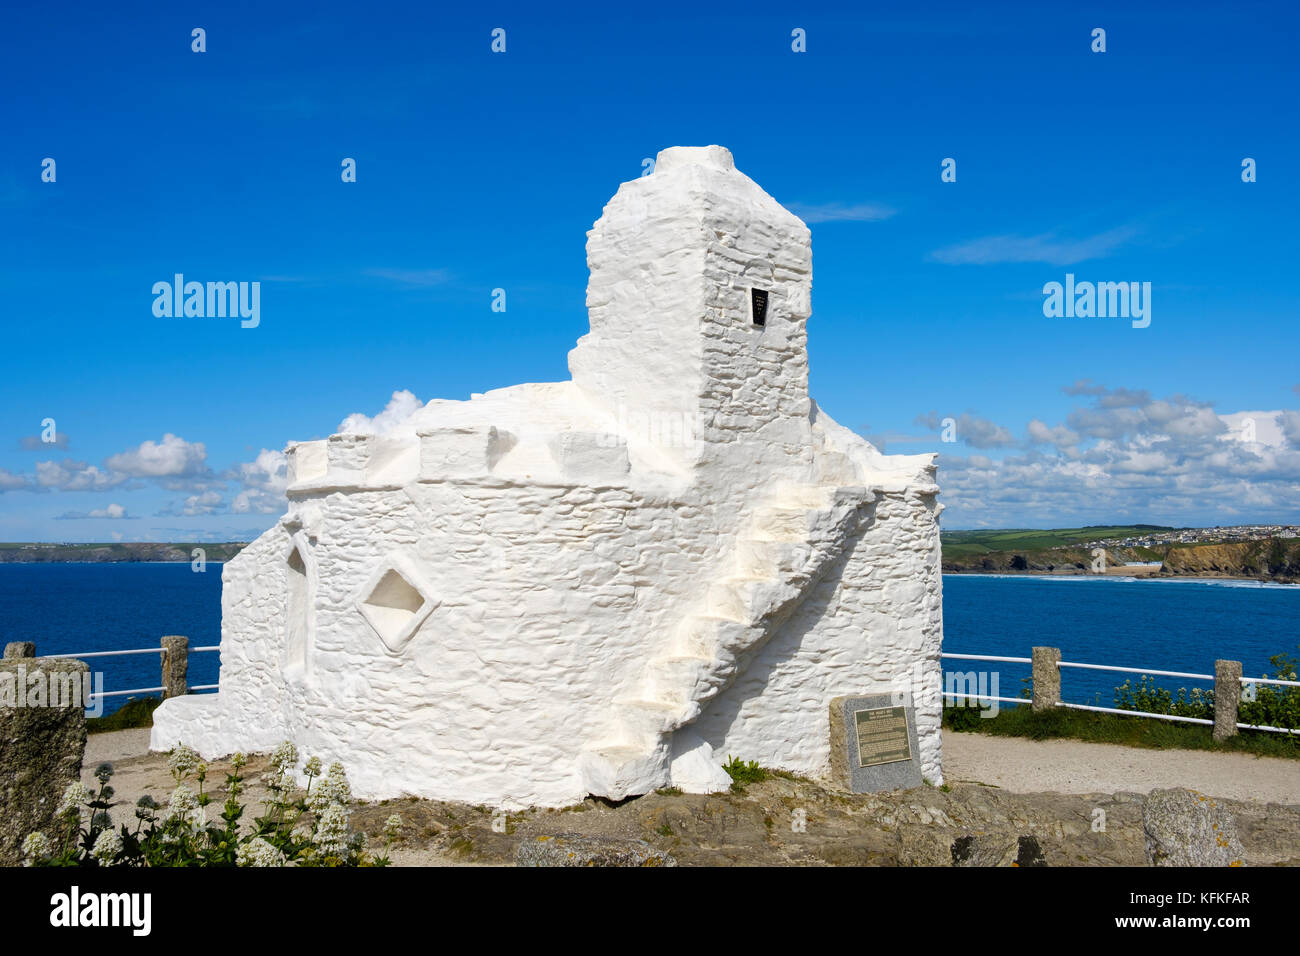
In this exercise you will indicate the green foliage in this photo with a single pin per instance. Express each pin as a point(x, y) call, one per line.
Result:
point(1148, 696)
point(962, 717)
point(1064, 723)
point(1272, 706)
point(742, 773)
point(1275, 706)
point(296, 828)
point(137, 712)
point(958, 543)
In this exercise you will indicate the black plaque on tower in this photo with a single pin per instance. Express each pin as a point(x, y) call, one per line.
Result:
point(758, 305)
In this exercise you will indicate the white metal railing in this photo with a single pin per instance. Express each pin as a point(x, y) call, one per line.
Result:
point(1276, 682)
point(986, 657)
point(1136, 670)
point(207, 648)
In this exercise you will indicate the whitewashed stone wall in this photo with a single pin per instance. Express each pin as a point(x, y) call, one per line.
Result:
point(597, 586)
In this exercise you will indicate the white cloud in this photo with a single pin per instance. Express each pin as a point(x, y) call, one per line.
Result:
point(203, 503)
point(971, 430)
point(1046, 248)
point(112, 512)
point(1059, 436)
point(9, 481)
point(400, 407)
point(173, 457)
point(262, 484)
point(35, 443)
point(71, 475)
point(418, 278)
point(841, 212)
point(1127, 457)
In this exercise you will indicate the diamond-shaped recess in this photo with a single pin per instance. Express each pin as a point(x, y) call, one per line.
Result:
point(395, 602)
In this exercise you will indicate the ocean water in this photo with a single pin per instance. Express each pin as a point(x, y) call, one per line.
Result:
point(69, 608)
point(1178, 625)
point(1172, 625)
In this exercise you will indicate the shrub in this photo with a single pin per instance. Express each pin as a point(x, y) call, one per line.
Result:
point(742, 773)
point(1272, 706)
point(297, 828)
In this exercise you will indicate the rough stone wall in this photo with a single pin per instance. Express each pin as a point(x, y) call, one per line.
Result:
point(874, 617)
point(755, 404)
point(550, 598)
point(40, 747)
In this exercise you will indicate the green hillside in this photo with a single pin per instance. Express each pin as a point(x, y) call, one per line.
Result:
point(966, 543)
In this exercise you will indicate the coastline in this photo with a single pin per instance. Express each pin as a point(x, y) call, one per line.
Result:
point(1127, 575)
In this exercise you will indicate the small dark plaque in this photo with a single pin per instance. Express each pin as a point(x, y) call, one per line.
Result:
point(882, 736)
point(874, 745)
point(758, 302)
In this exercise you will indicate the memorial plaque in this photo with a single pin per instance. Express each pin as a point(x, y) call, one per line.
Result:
point(874, 744)
point(758, 303)
point(882, 736)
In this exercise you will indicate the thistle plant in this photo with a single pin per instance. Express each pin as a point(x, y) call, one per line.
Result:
point(298, 828)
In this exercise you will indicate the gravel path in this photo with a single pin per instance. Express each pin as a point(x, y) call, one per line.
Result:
point(1012, 763)
point(1073, 766)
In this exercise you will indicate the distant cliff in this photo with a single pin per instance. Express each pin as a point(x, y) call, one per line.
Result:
point(1277, 559)
point(1273, 559)
point(105, 553)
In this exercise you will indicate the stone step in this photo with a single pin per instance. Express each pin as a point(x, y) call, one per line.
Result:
point(617, 771)
point(740, 598)
point(705, 635)
point(790, 524)
point(684, 681)
point(758, 558)
point(648, 720)
point(801, 495)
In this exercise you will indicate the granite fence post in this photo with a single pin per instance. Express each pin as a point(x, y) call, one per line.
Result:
point(1227, 698)
point(20, 649)
point(1047, 677)
point(42, 743)
point(175, 665)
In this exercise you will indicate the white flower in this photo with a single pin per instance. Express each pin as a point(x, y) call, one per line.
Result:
point(279, 785)
point(312, 767)
point(183, 761)
point(332, 831)
point(238, 760)
point(74, 798)
point(107, 846)
point(35, 848)
point(332, 789)
point(185, 806)
point(393, 827)
point(257, 852)
point(285, 757)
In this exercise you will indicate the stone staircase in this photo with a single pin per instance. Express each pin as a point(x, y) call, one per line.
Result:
point(789, 544)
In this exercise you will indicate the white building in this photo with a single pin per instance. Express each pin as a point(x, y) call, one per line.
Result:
point(605, 585)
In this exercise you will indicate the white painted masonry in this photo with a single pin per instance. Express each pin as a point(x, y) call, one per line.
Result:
point(540, 593)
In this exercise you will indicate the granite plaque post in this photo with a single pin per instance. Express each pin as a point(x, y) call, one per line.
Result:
point(873, 744)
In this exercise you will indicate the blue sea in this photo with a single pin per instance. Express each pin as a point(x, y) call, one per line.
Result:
point(1178, 625)
point(70, 608)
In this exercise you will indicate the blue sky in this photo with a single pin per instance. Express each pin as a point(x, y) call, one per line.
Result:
point(478, 170)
